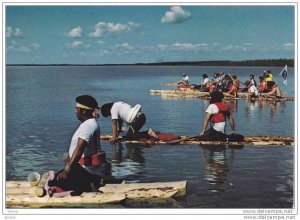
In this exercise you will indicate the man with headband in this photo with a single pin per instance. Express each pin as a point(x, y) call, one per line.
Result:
point(77, 175)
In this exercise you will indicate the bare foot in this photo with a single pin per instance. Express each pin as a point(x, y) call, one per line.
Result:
point(152, 133)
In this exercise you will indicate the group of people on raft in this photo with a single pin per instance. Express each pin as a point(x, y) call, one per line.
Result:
point(80, 173)
point(231, 84)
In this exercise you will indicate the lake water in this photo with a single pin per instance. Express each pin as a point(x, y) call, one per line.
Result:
point(40, 121)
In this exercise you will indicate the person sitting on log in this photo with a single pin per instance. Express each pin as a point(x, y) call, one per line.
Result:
point(216, 115)
point(262, 87)
point(252, 90)
point(185, 80)
point(268, 75)
point(235, 86)
point(122, 112)
point(77, 175)
point(205, 83)
point(274, 93)
point(252, 80)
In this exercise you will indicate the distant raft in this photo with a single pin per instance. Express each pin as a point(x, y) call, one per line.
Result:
point(248, 140)
point(205, 95)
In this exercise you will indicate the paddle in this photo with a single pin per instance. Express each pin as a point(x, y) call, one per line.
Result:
point(180, 140)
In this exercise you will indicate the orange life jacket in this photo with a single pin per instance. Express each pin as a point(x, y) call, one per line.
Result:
point(237, 83)
point(221, 115)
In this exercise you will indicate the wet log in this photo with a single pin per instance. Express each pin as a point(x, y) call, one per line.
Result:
point(205, 95)
point(20, 194)
point(248, 140)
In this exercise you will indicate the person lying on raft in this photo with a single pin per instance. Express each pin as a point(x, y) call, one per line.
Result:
point(216, 115)
point(77, 176)
point(121, 112)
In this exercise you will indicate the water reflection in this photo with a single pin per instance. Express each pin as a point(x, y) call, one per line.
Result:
point(232, 104)
point(129, 164)
point(261, 105)
point(217, 161)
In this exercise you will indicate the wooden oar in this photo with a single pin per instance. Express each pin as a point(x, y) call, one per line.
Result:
point(180, 140)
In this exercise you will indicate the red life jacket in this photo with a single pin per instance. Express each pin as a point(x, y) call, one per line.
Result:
point(221, 115)
point(95, 159)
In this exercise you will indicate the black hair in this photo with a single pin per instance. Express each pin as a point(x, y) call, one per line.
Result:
point(105, 109)
point(216, 96)
point(234, 77)
point(204, 75)
point(261, 78)
point(87, 100)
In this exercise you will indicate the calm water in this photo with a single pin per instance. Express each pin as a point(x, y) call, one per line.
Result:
point(40, 121)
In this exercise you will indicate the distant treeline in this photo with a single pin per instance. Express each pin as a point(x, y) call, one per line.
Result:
point(266, 62)
point(270, 62)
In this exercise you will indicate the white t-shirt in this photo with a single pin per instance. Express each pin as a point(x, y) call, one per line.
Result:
point(213, 109)
point(89, 131)
point(120, 110)
point(253, 89)
point(186, 78)
point(205, 81)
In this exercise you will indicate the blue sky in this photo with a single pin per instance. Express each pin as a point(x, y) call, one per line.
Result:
point(142, 34)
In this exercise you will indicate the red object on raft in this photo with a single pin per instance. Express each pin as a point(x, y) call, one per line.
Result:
point(94, 159)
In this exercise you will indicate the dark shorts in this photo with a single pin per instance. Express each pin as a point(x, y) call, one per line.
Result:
point(212, 135)
point(79, 180)
point(135, 127)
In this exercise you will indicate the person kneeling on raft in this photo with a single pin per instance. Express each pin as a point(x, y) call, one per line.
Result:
point(122, 112)
point(77, 175)
point(216, 115)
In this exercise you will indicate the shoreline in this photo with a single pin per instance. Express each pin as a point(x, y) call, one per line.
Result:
point(263, 62)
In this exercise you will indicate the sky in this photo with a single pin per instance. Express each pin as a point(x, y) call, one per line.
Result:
point(146, 34)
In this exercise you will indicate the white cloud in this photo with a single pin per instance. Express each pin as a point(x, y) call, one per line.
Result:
point(162, 46)
point(99, 28)
point(14, 32)
point(15, 47)
point(175, 15)
point(113, 28)
point(77, 45)
point(100, 42)
point(34, 45)
point(288, 45)
point(104, 52)
point(124, 46)
point(183, 46)
point(75, 32)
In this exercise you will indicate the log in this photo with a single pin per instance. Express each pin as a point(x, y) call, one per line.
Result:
point(205, 95)
point(248, 140)
point(40, 190)
point(20, 194)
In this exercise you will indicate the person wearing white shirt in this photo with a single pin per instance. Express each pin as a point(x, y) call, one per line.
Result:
point(76, 175)
point(252, 90)
point(122, 112)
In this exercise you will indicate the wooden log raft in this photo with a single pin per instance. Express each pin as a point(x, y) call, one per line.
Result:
point(248, 140)
point(205, 95)
point(20, 194)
